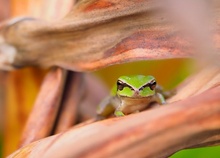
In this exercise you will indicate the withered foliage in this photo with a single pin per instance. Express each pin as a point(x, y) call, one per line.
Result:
point(99, 33)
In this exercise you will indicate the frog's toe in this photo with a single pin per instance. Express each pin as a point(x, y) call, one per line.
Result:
point(119, 113)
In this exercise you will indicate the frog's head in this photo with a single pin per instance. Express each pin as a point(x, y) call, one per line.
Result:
point(136, 86)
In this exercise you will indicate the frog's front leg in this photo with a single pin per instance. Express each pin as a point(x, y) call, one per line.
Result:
point(105, 108)
point(159, 98)
point(118, 107)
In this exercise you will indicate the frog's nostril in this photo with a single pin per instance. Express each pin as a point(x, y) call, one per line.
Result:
point(136, 92)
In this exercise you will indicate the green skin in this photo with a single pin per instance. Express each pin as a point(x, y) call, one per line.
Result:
point(131, 94)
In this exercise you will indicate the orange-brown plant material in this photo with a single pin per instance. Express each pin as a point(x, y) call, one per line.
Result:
point(22, 86)
point(93, 34)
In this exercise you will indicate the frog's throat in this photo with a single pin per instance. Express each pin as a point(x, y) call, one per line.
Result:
point(130, 105)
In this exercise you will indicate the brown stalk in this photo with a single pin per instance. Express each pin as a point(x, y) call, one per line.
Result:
point(44, 113)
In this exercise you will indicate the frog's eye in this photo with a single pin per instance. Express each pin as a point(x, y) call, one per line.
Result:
point(120, 85)
point(152, 85)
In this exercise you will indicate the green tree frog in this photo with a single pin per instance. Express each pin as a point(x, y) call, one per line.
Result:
point(130, 94)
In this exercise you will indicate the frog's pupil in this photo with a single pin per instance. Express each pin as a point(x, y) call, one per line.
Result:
point(120, 85)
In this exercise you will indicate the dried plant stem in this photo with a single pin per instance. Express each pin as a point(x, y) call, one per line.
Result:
point(44, 113)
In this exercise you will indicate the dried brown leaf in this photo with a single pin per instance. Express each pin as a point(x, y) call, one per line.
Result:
point(153, 133)
point(93, 35)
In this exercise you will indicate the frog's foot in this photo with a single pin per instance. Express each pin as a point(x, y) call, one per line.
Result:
point(119, 113)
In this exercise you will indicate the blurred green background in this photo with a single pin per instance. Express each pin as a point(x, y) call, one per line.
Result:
point(208, 152)
point(168, 73)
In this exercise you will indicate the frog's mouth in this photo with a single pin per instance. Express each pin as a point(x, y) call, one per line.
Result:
point(135, 97)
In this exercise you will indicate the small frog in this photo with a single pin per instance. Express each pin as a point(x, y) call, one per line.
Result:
point(131, 94)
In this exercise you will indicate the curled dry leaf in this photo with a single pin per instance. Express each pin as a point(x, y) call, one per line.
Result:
point(159, 132)
point(95, 34)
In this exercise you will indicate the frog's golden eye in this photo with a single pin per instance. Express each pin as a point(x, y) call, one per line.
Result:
point(153, 85)
point(120, 85)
